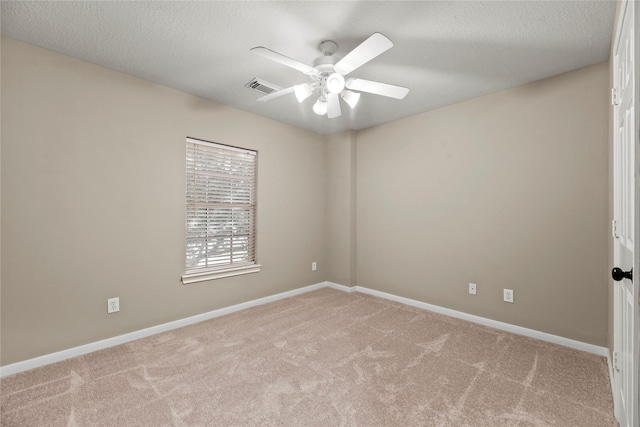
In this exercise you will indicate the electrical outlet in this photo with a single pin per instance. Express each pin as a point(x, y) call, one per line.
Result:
point(314, 266)
point(508, 295)
point(472, 288)
point(113, 305)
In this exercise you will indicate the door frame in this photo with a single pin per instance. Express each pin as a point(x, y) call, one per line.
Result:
point(615, 380)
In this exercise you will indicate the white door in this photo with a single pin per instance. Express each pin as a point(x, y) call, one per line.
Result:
point(626, 211)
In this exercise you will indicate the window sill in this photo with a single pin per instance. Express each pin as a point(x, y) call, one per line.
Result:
point(219, 274)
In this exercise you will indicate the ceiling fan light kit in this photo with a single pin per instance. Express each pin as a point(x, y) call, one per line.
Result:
point(328, 74)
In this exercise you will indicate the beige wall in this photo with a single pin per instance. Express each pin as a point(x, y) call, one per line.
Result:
point(508, 191)
point(341, 212)
point(93, 202)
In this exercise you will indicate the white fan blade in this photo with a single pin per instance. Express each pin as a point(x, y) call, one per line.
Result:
point(377, 88)
point(284, 60)
point(363, 53)
point(334, 106)
point(276, 94)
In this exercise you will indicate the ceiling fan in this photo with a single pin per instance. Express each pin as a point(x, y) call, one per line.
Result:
point(328, 75)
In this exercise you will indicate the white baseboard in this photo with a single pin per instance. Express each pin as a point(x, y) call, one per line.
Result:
point(342, 288)
point(122, 339)
point(47, 359)
point(519, 330)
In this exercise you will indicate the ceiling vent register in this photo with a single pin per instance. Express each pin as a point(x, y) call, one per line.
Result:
point(262, 86)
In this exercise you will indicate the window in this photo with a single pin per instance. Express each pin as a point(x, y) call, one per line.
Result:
point(220, 211)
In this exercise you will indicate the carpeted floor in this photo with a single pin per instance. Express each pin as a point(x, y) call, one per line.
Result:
point(324, 358)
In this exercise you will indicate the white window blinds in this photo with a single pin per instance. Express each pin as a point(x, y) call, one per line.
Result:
point(221, 207)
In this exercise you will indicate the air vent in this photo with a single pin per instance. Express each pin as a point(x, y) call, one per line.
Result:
point(262, 86)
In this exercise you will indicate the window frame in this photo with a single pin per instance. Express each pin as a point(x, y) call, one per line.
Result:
point(199, 274)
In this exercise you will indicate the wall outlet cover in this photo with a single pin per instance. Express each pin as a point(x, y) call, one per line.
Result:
point(113, 305)
point(508, 295)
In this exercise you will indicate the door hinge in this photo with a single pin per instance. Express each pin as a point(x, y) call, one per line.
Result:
point(614, 229)
point(614, 96)
point(616, 361)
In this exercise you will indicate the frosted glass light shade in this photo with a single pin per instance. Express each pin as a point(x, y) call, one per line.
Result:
point(303, 91)
point(320, 107)
point(351, 98)
point(335, 83)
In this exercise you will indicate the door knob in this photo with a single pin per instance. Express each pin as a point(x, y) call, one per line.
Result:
point(618, 274)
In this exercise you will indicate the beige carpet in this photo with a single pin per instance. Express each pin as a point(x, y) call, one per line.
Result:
point(324, 358)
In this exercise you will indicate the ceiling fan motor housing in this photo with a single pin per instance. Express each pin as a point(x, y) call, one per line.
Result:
point(325, 64)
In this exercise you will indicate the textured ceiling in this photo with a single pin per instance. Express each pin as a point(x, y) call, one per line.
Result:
point(445, 52)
